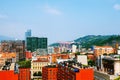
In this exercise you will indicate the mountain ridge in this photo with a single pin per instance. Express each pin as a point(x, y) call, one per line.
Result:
point(99, 40)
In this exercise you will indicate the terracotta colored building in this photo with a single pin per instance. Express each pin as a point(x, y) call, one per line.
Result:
point(49, 72)
point(59, 56)
point(67, 71)
point(73, 73)
point(100, 50)
point(28, 55)
point(24, 74)
point(8, 75)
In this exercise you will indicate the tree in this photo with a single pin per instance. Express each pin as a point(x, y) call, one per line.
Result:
point(78, 53)
point(25, 64)
point(117, 78)
point(91, 62)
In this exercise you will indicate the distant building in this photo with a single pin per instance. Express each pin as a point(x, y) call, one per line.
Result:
point(15, 46)
point(24, 74)
point(100, 50)
point(118, 50)
point(57, 50)
point(34, 43)
point(28, 55)
point(28, 33)
point(82, 59)
point(50, 50)
point(74, 48)
point(49, 72)
point(58, 56)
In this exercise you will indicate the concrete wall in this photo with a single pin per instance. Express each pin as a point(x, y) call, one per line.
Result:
point(103, 76)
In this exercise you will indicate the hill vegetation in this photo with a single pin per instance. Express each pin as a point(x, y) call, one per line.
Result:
point(89, 41)
point(99, 40)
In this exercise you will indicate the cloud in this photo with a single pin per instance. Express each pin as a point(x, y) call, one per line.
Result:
point(51, 10)
point(3, 16)
point(116, 6)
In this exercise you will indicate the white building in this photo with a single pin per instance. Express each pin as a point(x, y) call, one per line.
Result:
point(74, 48)
point(50, 50)
point(37, 65)
point(118, 50)
point(82, 59)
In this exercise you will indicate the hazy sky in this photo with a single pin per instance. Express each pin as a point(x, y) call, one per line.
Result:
point(59, 20)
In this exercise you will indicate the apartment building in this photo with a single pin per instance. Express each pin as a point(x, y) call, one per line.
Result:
point(14, 46)
point(8, 75)
point(24, 74)
point(100, 50)
point(49, 72)
point(36, 66)
point(68, 70)
point(74, 71)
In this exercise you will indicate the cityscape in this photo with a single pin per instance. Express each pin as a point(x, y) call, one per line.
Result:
point(59, 40)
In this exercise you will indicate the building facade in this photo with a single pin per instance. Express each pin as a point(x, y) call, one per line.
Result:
point(28, 33)
point(8, 75)
point(34, 43)
point(100, 50)
point(68, 70)
point(111, 65)
point(15, 46)
point(82, 59)
point(49, 72)
point(74, 73)
point(36, 66)
point(24, 74)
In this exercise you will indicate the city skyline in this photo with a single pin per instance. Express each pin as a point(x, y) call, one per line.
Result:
point(61, 20)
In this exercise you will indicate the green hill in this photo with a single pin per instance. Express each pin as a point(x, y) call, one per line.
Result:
point(99, 40)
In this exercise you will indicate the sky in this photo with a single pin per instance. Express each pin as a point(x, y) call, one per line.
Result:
point(59, 20)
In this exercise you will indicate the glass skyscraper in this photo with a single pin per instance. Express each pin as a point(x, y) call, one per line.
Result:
point(28, 33)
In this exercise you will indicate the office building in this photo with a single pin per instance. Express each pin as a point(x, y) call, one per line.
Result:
point(28, 33)
point(35, 43)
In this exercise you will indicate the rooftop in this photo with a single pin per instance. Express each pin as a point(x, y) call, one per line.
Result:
point(72, 65)
point(41, 60)
point(51, 66)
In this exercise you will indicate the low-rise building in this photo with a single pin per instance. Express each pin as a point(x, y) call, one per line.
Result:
point(24, 74)
point(100, 50)
point(68, 70)
point(72, 71)
point(111, 64)
point(8, 75)
point(28, 55)
point(36, 66)
point(49, 72)
point(82, 59)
